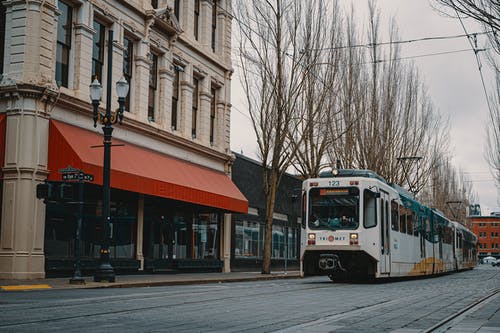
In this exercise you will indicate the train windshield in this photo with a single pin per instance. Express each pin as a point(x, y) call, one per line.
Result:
point(334, 208)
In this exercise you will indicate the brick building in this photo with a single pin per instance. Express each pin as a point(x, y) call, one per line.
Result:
point(171, 163)
point(487, 230)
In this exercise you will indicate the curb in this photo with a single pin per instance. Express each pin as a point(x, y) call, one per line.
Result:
point(96, 285)
point(60, 285)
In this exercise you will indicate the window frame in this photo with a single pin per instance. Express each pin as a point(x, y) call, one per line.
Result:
point(128, 67)
point(196, 23)
point(64, 45)
point(213, 113)
point(101, 43)
point(195, 106)
point(152, 86)
point(177, 9)
point(214, 25)
point(375, 206)
point(175, 97)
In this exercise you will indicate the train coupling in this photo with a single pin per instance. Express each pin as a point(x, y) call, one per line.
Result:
point(330, 262)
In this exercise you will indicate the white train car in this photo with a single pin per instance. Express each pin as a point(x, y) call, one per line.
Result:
point(355, 225)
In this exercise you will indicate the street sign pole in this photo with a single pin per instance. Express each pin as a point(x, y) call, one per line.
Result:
point(77, 276)
point(70, 174)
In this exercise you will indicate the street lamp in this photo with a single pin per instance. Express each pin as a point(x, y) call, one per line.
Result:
point(105, 271)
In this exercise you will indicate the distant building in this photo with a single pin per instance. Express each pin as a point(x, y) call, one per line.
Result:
point(247, 236)
point(487, 230)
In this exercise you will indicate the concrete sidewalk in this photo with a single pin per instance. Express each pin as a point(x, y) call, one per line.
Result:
point(144, 280)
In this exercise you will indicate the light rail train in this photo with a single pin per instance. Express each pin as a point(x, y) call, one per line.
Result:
point(356, 225)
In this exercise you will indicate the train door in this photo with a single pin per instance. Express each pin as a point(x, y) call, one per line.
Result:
point(385, 226)
point(422, 238)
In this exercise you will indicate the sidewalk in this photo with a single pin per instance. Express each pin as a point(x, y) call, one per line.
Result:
point(144, 280)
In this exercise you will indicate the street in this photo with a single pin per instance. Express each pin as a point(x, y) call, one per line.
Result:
point(296, 305)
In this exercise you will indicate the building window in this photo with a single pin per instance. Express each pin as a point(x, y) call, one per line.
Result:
point(196, 18)
point(154, 4)
point(213, 101)
point(153, 84)
point(175, 98)
point(214, 23)
point(177, 9)
point(61, 224)
point(206, 230)
point(98, 52)
point(64, 32)
point(196, 98)
point(128, 63)
point(2, 36)
point(248, 239)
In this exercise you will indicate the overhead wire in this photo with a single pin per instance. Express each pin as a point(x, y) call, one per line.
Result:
point(399, 41)
point(478, 61)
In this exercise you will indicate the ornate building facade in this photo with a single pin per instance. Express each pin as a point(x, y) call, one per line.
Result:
point(170, 161)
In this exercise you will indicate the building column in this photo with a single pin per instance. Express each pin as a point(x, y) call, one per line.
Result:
point(205, 34)
point(226, 243)
point(141, 81)
point(25, 165)
point(83, 52)
point(140, 231)
point(185, 115)
point(204, 117)
point(164, 112)
point(22, 225)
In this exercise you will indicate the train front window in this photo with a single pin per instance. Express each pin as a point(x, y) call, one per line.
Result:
point(334, 208)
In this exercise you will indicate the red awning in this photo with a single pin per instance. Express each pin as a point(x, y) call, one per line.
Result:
point(3, 124)
point(141, 170)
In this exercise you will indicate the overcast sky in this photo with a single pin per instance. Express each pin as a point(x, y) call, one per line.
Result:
point(453, 82)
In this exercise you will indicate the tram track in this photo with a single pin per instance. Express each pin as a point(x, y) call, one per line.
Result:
point(360, 303)
point(458, 316)
point(107, 302)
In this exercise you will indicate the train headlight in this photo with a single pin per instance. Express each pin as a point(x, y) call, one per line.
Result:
point(311, 239)
point(353, 239)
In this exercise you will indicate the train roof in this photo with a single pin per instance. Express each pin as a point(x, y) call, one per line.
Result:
point(351, 173)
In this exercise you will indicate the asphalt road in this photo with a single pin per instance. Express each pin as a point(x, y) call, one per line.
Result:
point(298, 305)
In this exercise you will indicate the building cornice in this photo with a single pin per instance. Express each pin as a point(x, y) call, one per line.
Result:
point(75, 105)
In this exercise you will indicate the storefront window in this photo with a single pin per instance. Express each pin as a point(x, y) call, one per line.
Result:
point(278, 242)
point(206, 236)
point(292, 242)
point(181, 239)
point(61, 220)
point(59, 234)
point(248, 240)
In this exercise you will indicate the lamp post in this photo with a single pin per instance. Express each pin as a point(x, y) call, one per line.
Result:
point(105, 271)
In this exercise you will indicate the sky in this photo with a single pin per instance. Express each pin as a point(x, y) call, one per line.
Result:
point(453, 81)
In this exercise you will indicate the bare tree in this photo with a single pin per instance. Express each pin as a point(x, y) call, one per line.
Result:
point(385, 111)
point(320, 72)
point(493, 134)
point(448, 190)
point(486, 12)
point(270, 58)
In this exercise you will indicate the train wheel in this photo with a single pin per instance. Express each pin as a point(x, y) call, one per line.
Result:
point(330, 276)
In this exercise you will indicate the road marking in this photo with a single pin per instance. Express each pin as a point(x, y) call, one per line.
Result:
point(25, 287)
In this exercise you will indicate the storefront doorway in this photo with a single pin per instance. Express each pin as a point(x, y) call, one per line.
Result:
point(180, 236)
